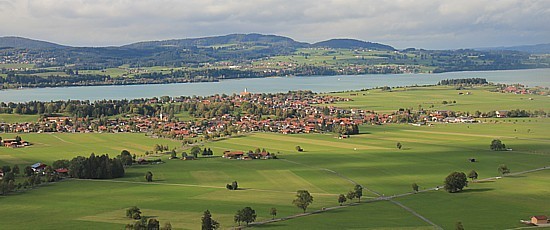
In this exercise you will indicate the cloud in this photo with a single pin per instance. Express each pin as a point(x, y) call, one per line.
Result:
point(402, 23)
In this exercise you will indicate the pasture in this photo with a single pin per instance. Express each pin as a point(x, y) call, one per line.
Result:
point(432, 97)
point(182, 190)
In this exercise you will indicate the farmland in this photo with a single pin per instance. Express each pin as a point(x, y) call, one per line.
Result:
point(182, 190)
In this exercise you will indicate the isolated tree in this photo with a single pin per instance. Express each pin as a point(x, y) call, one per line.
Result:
point(207, 222)
point(246, 215)
point(303, 199)
point(341, 199)
point(473, 175)
point(133, 212)
point(298, 148)
point(415, 187)
point(358, 191)
point(455, 182)
point(273, 213)
point(497, 145)
point(458, 226)
point(398, 145)
point(234, 185)
point(149, 176)
point(503, 169)
point(167, 226)
point(350, 196)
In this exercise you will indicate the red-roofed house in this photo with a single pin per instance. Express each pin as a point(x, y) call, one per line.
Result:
point(541, 219)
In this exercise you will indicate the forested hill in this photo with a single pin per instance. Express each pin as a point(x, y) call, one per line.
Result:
point(352, 44)
point(226, 40)
point(533, 49)
point(31, 63)
point(25, 43)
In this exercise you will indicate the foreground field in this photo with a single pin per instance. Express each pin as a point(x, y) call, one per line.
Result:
point(182, 190)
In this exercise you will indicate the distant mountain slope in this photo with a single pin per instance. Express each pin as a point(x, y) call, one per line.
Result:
point(25, 43)
point(352, 44)
point(533, 49)
point(258, 39)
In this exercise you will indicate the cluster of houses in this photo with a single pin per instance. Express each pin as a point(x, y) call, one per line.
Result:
point(14, 143)
point(310, 113)
point(250, 155)
point(521, 89)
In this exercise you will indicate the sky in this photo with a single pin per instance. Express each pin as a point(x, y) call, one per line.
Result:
point(428, 24)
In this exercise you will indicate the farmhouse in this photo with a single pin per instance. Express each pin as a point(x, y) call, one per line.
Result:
point(541, 219)
point(38, 167)
point(233, 154)
point(14, 143)
point(501, 113)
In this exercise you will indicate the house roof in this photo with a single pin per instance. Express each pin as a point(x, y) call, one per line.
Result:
point(541, 217)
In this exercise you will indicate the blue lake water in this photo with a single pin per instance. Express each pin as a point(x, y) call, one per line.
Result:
point(532, 77)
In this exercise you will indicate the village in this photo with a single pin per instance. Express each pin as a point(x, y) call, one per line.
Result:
point(290, 113)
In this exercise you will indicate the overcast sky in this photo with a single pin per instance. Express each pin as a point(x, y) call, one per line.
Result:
point(431, 24)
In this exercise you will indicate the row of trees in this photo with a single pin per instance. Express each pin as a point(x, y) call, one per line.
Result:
point(357, 192)
point(143, 223)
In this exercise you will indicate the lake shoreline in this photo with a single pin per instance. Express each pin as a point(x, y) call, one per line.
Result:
point(319, 84)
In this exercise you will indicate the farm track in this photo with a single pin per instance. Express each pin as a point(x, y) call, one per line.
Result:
point(384, 198)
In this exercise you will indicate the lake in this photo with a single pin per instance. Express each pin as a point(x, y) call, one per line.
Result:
point(532, 77)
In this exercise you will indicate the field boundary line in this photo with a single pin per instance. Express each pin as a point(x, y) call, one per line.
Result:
point(203, 186)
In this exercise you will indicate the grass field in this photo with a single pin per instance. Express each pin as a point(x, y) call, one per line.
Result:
point(17, 118)
point(412, 97)
point(182, 190)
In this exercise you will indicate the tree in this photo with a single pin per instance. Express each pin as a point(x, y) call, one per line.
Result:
point(133, 212)
point(238, 218)
point(234, 185)
point(350, 196)
point(415, 187)
point(207, 222)
point(28, 171)
point(299, 149)
point(497, 145)
point(358, 191)
point(342, 199)
point(398, 145)
point(459, 226)
point(303, 199)
point(149, 176)
point(503, 169)
point(195, 151)
point(16, 170)
point(167, 226)
point(455, 182)
point(249, 215)
point(6, 168)
point(473, 175)
point(273, 213)
point(153, 224)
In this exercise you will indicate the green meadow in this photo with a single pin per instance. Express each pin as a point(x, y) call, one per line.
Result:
point(432, 97)
point(182, 190)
